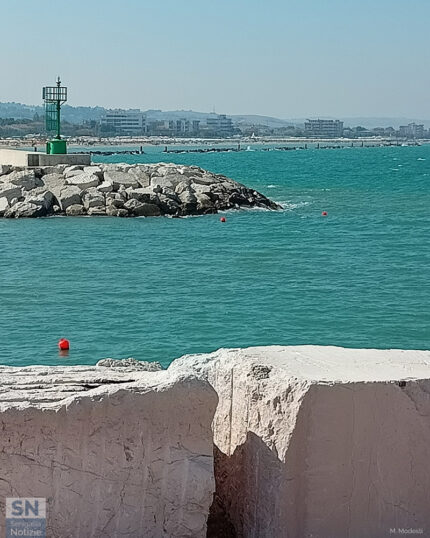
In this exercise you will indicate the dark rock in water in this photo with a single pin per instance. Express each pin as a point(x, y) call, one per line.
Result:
point(147, 210)
point(141, 190)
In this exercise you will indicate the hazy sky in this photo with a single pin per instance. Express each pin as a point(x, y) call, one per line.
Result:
point(285, 58)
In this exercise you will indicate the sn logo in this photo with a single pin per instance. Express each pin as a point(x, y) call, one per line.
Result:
point(25, 507)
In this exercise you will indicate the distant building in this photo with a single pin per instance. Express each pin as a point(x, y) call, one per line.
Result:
point(220, 125)
point(131, 122)
point(324, 128)
point(183, 127)
point(411, 131)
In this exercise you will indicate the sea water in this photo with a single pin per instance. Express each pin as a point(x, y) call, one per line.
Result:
point(158, 288)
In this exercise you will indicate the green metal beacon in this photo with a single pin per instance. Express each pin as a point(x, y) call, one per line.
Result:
point(54, 97)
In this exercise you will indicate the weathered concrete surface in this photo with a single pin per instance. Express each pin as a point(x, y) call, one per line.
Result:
point(116, 452)
point(320, 441)
point(18, 157)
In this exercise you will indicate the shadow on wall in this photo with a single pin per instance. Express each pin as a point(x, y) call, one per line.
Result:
point(355, 464)
point(235, 490)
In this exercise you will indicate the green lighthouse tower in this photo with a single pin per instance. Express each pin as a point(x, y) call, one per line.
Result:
point(54, 97)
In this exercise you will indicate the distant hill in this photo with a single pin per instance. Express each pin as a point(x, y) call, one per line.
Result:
point(80, 114)
point(252, 119)
point(73, 114)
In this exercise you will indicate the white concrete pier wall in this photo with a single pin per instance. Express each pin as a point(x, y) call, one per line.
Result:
point(17, 157)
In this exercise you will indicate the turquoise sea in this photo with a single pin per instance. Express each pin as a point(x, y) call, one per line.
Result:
point(158, 288)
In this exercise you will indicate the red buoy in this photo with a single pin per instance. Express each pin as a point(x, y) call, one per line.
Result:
point(222, 219)
point(64, 344)
point(324, 213)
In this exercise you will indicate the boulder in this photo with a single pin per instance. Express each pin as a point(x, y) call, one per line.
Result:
point(93, 198)
point(57, 169)
point(116, 199)
point(320, 441)
point(113, 211)
point(187, 197)
point(204, 202)
point(105, 186)
point(201, 189)
point(142, 194)
point(115, 451)
point(69, 171)
point(142, 209)
point(69, 195)
point(5, 169)
point(183, 186)
point(4, 205)
point(188, 202)
point(53, 181)
point(97, 211)
point(72, 173)
point(168, 206)
point(25, 179)
point(116, 167)
point(203, 180)
point(118, 178)
point(162, 182)
point(131, 363)
point(10, 191)
point(94, 170)
point(44, 198)
point(83, 180)
point(147, 210)
point(141, 174)
point(75, 210)
point(25, 210)
point(132, 205)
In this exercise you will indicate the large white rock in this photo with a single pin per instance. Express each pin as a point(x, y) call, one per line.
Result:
point(53, 181)
point(25, 179)
point(83, 180)
point(93, 198)
point(115, 452)
point(70, 171)
point(118, 178)
point(320, 441)
point(68, 195)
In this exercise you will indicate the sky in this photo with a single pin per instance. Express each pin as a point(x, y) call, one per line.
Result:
point(282, 58)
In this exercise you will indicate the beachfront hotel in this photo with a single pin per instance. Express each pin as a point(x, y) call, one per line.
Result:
point(324, 128)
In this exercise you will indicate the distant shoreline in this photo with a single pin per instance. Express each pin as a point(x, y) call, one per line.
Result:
point(39, 142)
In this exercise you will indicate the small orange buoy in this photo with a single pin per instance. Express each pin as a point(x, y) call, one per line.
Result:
point(222, 219)
point(324, 213)
point(64, 344)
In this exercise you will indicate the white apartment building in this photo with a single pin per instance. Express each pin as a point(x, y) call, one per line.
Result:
point(125, 121)
point(324, 128)
point(220, 123)
point(412, 130)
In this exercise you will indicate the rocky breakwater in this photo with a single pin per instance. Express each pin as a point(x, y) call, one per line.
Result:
point(319, 441)
point(121, 190)
point(115, 451)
